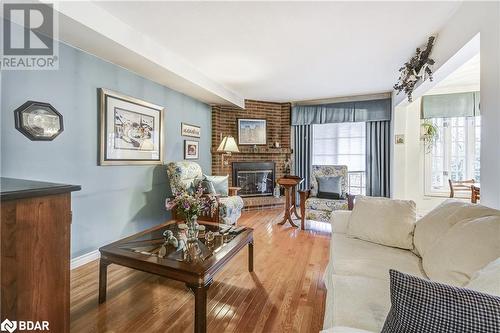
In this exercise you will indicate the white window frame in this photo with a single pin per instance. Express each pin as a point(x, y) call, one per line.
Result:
point(470, 156)
point(361, 188)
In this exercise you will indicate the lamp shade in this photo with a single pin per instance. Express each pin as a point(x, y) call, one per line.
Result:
point(228, 145)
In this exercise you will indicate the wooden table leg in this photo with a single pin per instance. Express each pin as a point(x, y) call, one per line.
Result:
point(287, 216)
point(294, 202)
point(200, 307)
point(103, 279)
point(250, 256)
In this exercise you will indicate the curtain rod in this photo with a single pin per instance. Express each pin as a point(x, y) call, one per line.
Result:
point(355, 98)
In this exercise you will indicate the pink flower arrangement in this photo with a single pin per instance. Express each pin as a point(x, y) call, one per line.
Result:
point(191, 205)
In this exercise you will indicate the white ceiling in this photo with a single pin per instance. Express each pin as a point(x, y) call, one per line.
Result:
point(282, 51)
point(289, 51)
point(466, 78)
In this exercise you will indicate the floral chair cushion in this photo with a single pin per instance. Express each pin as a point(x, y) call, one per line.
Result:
point(183, 174)
point(326, 204)
point(318, 215)
point(328, 170)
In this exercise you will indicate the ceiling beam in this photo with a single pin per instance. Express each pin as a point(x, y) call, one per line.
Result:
point(87, 26)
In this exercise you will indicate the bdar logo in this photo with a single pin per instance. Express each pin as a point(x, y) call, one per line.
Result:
point(8, 326)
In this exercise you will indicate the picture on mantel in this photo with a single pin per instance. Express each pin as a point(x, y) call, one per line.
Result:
point(252, 131)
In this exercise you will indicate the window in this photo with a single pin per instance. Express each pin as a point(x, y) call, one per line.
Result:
point(342, 144)
point(455, 154)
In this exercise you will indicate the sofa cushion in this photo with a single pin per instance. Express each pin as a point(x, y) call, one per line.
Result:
point(383, 221)
point(350, 256)
point(487, 279)
point(419, 305)
point(329, 187)
point(465, 248)
point(360, 302)
point(437, 222)
point(339, 220)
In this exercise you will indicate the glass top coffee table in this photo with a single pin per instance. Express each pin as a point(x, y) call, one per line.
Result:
point(193, 263)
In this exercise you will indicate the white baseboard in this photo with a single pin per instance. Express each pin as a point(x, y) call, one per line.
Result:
point(85, 258)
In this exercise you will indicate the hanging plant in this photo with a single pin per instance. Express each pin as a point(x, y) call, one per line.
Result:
point(429, 135)
point(416, 69)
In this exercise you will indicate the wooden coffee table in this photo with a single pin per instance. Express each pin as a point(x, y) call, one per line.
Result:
point(142, 252)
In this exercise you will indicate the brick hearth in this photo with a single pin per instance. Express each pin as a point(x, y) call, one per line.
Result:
point(224, 122)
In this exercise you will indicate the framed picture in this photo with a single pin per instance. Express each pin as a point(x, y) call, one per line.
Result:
point(400, 139)
point(190, 130)
point(252, 132)
point(131, 130)
point(191, 151)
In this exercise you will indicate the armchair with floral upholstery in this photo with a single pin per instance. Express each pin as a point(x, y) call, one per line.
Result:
point(320, 209)
point(185, 175)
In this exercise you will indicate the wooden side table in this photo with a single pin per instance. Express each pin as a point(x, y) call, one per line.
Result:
point(290, 184)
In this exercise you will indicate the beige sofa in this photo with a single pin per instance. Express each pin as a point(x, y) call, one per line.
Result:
point(457, 243)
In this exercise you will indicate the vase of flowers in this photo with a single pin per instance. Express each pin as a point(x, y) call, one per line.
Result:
point(190, 205)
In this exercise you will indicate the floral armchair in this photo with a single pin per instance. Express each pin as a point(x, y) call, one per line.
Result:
point(182, 176)
point(319, 209)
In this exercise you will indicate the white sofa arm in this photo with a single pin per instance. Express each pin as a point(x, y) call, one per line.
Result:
point(340, 221)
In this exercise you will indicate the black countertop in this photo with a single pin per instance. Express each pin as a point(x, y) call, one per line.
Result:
point(12, 188)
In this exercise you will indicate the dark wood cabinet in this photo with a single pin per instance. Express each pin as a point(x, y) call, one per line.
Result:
point(35, 251)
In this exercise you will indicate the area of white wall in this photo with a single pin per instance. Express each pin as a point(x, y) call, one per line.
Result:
point(469, 20)
point(410, 158)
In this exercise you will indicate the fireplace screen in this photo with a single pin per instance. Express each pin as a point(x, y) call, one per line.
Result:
point(254, 178)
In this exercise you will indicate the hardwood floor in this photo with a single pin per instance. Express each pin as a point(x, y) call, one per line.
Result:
point(285, 293)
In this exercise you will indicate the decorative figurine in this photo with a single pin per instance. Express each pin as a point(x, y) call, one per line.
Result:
point(168, 235)
point(170, 241)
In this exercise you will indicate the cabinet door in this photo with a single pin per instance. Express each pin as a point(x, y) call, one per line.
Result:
point(35, 260)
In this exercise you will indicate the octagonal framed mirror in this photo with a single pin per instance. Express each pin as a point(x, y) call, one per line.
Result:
point(38, 121)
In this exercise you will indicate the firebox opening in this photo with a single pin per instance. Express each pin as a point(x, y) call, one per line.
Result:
point(254, 178)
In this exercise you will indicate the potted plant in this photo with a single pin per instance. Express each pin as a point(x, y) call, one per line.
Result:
point(190, 206)
point(429, 135)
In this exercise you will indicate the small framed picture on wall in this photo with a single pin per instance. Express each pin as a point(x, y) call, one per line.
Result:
point(191, 150)
point(190, 130)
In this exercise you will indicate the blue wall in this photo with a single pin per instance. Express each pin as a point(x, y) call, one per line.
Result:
point(115, 201)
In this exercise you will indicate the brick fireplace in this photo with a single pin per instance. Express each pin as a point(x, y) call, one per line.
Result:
point(224, 122)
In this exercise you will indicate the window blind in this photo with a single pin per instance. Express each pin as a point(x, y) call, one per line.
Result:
point(450, 105)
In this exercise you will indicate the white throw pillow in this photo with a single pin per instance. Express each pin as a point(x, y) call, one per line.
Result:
point(438, 221)
point(383, 221)
point(464, 249)
point(487, 280)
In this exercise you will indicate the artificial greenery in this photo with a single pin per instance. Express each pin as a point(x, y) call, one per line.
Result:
point(430, 134)
point(416, 69)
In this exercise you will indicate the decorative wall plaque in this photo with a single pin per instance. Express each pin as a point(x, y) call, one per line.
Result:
point(38, 121)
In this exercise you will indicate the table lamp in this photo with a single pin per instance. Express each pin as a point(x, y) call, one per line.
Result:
point(227, 146)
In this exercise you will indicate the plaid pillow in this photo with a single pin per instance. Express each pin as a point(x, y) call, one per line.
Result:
point(420, 305)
